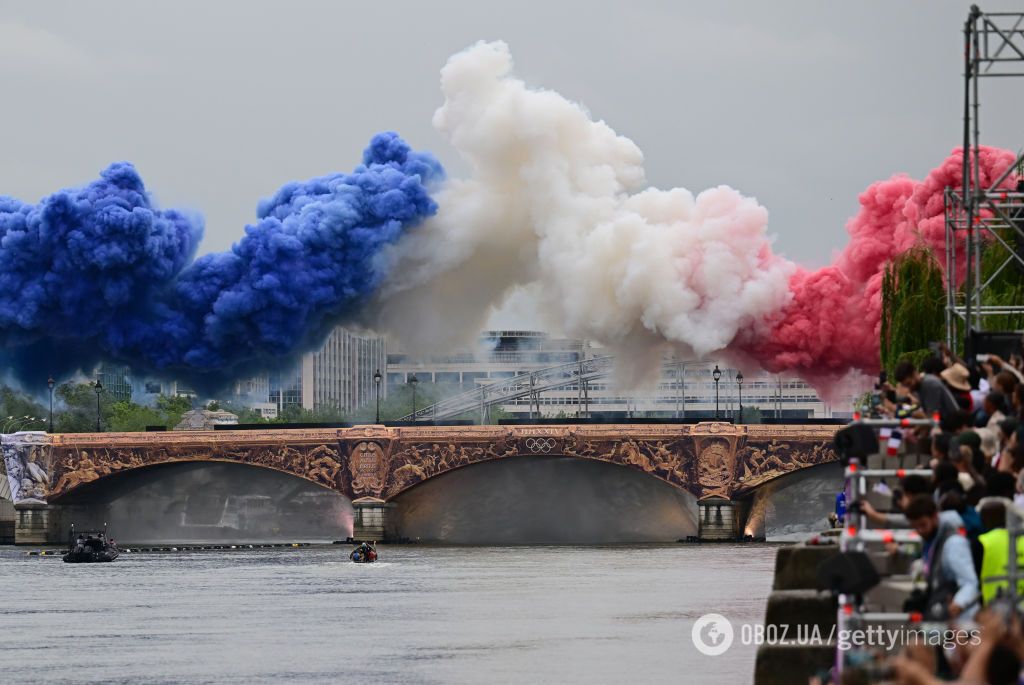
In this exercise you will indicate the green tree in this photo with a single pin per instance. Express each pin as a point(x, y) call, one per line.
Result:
point(750, 415)
point(172, 407)
point(1006, 286)
point(79, 407)
point(18, 406)
point(913, 307)
point(246, 414)
point(127, 417)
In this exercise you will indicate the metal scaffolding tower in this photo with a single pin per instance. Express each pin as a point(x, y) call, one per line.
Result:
point(977, 215)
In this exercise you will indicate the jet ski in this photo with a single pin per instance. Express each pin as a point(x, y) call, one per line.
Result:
point(90, 547)
point(363, 554)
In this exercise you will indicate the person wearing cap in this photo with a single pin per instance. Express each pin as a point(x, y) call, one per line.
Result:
point(958, 381)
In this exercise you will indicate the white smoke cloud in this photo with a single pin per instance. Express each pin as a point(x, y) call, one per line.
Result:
point(556, 202)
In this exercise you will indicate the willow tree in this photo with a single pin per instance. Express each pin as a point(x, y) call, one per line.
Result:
point(913, 306)
point(1005, 282)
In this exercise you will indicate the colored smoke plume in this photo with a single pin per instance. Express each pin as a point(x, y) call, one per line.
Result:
point(99, 272)
point(832, 323)
point(558, 199)
point(557, 203)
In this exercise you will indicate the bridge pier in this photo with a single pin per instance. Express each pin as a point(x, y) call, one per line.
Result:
point(721, 520)
point(37, 524)
point(373, 520)
point(7, 518)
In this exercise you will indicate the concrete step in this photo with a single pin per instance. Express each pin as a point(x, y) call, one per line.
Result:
point(785, 664)
point(796, 566)
point(888, 595)
point(788, 609)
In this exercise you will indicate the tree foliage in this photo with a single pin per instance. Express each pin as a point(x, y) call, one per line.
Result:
point(913, 306)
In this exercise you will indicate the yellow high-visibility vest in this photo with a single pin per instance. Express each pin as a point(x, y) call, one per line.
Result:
point(996, 543)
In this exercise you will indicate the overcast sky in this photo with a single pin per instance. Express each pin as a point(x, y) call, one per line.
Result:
point(801, 105)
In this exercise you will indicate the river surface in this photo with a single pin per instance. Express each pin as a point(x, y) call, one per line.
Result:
point(421, 615)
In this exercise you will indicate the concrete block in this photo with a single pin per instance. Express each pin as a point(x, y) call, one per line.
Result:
point(796, 566)
point(804, 608)
point(785, 664)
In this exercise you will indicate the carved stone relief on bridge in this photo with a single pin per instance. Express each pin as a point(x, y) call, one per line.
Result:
point(668, 459)
point(708, 459)
point(76, 466)
point(26, 458)
point(764, 460)
point(368, 469)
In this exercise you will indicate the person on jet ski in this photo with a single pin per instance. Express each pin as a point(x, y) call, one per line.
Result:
point(366, 551)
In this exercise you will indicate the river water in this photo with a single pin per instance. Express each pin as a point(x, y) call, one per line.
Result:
point(422, 614)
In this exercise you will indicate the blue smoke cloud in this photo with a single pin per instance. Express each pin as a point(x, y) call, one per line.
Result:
point(100, 273)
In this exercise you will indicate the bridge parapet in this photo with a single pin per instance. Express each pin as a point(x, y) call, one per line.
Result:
point(709, 460)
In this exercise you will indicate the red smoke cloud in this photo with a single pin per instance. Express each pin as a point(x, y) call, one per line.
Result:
point(832, 323)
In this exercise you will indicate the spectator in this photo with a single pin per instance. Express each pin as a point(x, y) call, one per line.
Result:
point(943, 472)
point(996, 547)
point(957, 380)
point(1002, 484)
point(952, 581)
point(929, 388)
point(961, 459)
point(910, 487)
point(1007, 427)
point(995, 408)
point(956, 422)
point(1007, 380)
point(940, 446)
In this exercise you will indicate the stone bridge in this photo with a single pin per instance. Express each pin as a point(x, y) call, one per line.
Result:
point(720, 464)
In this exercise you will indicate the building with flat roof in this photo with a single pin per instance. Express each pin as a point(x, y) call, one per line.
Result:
point(684, 388)
point(338, 376)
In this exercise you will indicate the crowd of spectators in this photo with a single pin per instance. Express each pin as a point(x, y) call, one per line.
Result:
point(976, 456)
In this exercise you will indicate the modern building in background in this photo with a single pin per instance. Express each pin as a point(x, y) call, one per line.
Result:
point(338, 376)
point(684, 389)
point(116, 381)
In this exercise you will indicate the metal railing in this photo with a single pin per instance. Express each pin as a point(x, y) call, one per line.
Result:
point(530, 385)
point(856, 536)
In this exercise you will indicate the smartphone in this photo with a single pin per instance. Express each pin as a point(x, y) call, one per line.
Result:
point(982, 357)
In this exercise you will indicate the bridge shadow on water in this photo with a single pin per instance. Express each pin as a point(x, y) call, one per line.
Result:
point(547, 500)
point(209, 501)
point(544, 500)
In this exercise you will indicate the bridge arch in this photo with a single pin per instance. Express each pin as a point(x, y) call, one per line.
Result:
point(83, 488)
point(812, 491)
point(544, 499)
point(208, 500)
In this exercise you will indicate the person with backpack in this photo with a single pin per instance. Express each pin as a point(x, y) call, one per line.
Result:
point(952, 583)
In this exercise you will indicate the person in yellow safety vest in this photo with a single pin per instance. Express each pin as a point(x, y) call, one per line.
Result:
point(996, 545)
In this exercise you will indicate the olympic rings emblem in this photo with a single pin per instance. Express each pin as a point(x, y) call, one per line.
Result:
point(540, 445)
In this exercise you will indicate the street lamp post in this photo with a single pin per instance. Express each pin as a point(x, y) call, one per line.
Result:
point(739, 387)
point(413, 381)
point(98, 387)
point(50, 383)
point(376, 381)
point(717, 375)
